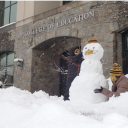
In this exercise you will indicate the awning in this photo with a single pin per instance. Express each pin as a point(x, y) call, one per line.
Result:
point(122, 30)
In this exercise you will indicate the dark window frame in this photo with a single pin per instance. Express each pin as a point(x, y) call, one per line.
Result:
point(7, 65)
point(66, 2)
point(3, 9)
point(125, 52)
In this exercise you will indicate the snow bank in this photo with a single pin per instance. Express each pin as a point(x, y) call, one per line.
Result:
point(21, 109)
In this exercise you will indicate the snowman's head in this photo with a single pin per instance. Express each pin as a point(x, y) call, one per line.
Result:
point(93, 51)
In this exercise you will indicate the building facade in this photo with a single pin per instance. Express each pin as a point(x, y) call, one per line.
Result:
point(41, 36)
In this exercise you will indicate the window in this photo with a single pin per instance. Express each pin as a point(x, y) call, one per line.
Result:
point(8, 11)
point(65, 2)
point(6, 67)
point(125, 52)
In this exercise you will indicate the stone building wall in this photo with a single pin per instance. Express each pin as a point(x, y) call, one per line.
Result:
point(7, 40)
point(23, 50)
point(77, 19)
point(119, 49)
point(108, 17)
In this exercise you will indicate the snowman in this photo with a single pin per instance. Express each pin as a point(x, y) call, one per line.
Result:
point(90, 76)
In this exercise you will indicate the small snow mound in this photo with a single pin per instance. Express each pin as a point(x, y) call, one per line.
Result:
point(41, 94)
point(52, 110)
point(120, 120)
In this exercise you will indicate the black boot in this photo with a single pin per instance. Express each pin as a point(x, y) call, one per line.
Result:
point(66, 98)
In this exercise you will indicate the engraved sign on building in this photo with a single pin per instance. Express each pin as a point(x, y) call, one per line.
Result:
point(61, 23)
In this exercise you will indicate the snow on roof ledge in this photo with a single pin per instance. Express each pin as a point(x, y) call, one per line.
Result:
point(18, 59)
point(7, 25)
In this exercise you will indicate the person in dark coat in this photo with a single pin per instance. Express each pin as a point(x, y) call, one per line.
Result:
point(75, 59)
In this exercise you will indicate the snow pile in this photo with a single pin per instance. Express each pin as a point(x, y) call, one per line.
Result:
point(21, 109)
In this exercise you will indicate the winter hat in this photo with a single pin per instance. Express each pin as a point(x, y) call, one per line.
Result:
point(71, 51)
point(92, 40)
point(75, 52)
point(116, 70)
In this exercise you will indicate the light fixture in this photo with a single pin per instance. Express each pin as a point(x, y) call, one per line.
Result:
point(19, 62)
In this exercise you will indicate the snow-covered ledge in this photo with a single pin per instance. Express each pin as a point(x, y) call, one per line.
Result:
point(7, 25)
point(19, 62)
point(18, 59)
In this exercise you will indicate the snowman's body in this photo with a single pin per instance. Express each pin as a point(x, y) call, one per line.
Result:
point(90, 77)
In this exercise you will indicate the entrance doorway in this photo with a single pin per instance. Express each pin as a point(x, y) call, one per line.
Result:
point(125, 52)
point(47, 62)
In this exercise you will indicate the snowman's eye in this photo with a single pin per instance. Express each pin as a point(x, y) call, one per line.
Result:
point(93, 47)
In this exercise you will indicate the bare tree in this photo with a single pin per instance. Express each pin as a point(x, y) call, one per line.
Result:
point(60, 69)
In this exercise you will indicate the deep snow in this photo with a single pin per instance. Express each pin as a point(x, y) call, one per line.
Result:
point(21, 109)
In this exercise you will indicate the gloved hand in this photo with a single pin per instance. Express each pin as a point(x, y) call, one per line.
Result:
point(98, 90)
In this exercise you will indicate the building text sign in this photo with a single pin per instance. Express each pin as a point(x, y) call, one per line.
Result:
point(61, 23)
